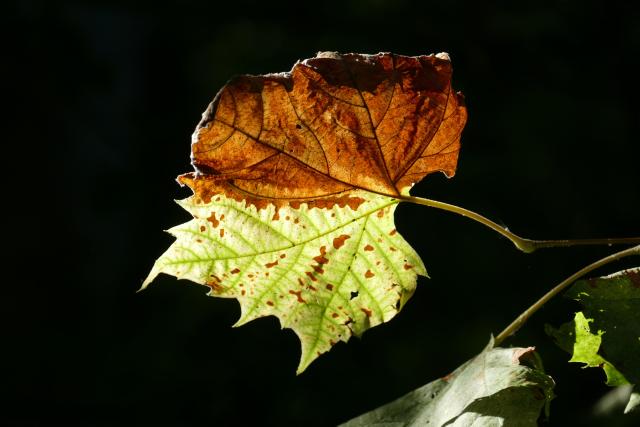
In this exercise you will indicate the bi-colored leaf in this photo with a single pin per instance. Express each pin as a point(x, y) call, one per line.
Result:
point(606, 333)
point(325, 273)
point(297, 176)
point(492, 389)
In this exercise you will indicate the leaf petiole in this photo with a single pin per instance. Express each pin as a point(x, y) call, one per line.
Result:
point(520, 320)
point(525, 245)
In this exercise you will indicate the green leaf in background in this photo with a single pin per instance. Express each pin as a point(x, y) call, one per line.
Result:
point(606, 333)
point(326, 273)
point(492, 389)
point(576, 338)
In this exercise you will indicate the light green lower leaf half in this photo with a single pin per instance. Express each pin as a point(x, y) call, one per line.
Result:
point(492, 389)
point(326, 273)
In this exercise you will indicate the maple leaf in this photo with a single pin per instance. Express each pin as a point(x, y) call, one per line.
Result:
point(297, 178)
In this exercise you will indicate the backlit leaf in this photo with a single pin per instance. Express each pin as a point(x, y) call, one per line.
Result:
point(295, 185)
point(325, 273)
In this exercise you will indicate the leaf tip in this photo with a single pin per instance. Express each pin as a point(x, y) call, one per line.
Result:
point(150, 278)
point(305, 361)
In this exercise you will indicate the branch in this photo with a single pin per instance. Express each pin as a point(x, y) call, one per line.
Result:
point(525, 245)
point(520, 320)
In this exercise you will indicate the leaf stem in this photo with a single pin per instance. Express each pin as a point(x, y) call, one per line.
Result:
point(520, 320)
point(525, 245)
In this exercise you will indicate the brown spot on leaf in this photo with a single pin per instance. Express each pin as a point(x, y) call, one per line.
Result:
point(321, 259)
point(366, 311)
point(222, 232)
point(334, 315)
point(329, 286)
point(521, 353)
point(311, 276)
point(380, 213)
point(199, 240)
point(300, 282)
point(368, 248)
point(216, 287)
point(271, 264)
point(235, 271)
point(393, 232)
point(338, 242)
point(408, 266)
point(299, 295)
point(369, 274)
point(202, 228)
point(270, 303)
point(276, 215)
point(392, 249)
point(310, 287)
point(212, 219)
point(317, 269)
point(243, 292)
point(282, 256)
point(295, 221)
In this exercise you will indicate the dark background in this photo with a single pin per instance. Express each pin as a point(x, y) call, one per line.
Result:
point(102, 98)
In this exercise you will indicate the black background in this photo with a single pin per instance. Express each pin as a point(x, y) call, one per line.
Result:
point(102, 98)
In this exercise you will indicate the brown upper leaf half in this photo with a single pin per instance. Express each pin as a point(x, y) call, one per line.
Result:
point(336, 122)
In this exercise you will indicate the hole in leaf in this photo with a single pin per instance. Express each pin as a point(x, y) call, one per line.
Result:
point(353, 294)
